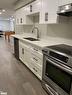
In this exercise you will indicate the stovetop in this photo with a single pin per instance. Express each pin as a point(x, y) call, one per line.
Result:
point(63, 48)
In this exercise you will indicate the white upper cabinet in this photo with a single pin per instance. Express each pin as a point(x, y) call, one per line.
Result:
point(44, 11)
point(27, 8)
point(63, 2)
point(48, 12)
point(21, 16)
point(17, 15)
point(34, 7)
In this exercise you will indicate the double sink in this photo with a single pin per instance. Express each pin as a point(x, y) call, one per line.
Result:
point(31, 39)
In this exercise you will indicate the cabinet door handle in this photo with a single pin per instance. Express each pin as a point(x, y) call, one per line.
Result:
point(22, 50)
point(46, 16)
point(21, 20)
point(34, 69)
point(35, 49)
point(30, 8)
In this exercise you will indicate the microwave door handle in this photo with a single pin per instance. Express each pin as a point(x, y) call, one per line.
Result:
point(51, 91)
point(61, 66)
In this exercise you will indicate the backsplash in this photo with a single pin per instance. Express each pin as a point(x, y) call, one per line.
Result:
point(20, 29)
point(50, 30)
point(60, 30)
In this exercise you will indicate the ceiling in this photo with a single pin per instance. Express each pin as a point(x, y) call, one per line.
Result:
point(8, 5)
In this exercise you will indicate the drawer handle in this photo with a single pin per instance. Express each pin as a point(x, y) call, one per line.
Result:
point(35, 49)
point(34, 69)
point(35, 59)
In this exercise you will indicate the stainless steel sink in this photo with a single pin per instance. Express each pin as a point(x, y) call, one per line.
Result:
point(31, 39)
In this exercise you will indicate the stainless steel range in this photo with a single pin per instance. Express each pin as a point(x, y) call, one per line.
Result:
point(57, 69)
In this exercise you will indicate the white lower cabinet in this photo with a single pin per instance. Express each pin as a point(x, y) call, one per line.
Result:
point(32, 58)
point(21, 51)
point(24, 53)
point(37, 70)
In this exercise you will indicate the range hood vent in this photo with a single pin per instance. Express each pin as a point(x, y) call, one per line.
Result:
point(65, 10)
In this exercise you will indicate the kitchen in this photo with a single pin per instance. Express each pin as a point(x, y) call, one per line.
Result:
point(40, 50)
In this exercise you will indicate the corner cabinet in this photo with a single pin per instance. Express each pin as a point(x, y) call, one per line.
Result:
point(32, 57)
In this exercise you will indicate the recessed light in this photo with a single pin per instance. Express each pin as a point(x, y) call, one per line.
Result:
point(13, 19)
point(3, 10)
point(0, 13)
point(12, 16)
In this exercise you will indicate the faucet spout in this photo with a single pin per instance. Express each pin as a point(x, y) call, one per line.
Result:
point(36, 28)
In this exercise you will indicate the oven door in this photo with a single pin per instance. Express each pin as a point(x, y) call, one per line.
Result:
point(58, 76)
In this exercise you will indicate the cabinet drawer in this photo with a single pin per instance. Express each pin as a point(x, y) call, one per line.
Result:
point(37, 70)
point(37, 52)
point(36, 60)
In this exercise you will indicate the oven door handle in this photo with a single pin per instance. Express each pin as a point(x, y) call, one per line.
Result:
point(51, 91)
point(61, 66)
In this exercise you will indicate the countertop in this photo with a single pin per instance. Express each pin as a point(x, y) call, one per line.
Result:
point(46, 41)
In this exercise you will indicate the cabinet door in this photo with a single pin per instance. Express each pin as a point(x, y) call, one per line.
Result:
point(22, 16)
point(36, 6)
point(26, 55)
point(28, 9)
point(17, 15)
point(48, 12)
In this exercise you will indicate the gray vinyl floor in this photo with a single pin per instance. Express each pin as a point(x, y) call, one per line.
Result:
point(15, 77)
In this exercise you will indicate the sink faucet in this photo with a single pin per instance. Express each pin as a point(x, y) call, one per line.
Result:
point(36, 28)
